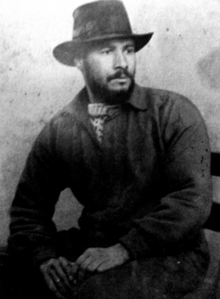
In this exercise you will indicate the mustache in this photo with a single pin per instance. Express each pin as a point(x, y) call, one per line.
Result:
point(122, 73)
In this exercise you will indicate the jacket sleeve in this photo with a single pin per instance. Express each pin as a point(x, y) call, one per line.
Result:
point(178, 219)
point(32, 230)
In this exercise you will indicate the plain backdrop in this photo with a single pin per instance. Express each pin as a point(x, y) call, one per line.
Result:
point(183, 56)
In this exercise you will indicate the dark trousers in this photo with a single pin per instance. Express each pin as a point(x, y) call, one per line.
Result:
point(161, 277)
point(19, 280)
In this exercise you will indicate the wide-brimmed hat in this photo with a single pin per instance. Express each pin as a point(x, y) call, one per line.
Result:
point(97, 21)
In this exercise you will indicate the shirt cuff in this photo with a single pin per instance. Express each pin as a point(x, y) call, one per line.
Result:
point(43, 254)
point(135, 244)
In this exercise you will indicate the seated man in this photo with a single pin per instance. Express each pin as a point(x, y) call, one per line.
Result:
point(136, 158)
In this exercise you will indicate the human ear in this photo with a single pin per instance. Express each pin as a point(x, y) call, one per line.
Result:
point(79, 63)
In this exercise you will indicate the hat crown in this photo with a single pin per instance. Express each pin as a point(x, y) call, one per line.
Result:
point(100, 19)
point(97, 21)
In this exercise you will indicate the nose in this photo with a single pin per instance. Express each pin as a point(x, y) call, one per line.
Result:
point(120, 60)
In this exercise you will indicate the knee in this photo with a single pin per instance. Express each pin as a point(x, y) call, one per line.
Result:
point(101, 286)
point(92, 288)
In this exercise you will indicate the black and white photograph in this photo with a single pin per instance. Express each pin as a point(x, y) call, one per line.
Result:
point(110, 149)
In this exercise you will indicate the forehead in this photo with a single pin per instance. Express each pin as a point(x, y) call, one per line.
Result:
point(125, 42)
point(122, 42)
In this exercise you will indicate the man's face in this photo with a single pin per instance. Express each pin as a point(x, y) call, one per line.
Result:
point(108, 68)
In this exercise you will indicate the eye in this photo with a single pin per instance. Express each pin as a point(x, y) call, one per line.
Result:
point(130, 50)
point(105, 51)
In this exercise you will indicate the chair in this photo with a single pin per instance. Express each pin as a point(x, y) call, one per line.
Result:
point(210, 287)
point(213, 222)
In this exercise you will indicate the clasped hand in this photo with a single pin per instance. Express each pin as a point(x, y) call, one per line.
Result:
point(63, 276)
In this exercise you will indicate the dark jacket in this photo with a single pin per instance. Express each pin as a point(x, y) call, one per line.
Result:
point(147, 185)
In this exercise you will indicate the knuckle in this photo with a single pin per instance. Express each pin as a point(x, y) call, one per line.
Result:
point(55, 264)
point(100, 269)
point(62, 259)
point(83, 266)
point(42, 267)
point(91, 267)
point(51, 285)
point(49, 265)
point(90, 250)
point(50, 261)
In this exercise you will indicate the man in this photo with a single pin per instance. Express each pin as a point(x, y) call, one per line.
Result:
point(138, 161)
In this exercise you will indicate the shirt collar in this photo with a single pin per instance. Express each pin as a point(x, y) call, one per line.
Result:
point(137, 98)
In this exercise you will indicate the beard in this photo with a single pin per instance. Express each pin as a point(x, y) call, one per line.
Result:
point(110, 96)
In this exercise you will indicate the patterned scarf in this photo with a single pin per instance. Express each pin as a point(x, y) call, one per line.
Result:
point(99, 113)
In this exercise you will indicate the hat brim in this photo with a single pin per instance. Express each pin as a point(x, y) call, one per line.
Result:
point(65, 52)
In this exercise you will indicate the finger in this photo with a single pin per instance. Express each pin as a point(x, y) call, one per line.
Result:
point(54, 271)
point(105, 266)
point(74, 273)
point(74, 269)
point(87, 262)
point(67, 268)
point(59, 279)
point(45, 274)
point(50, 284)
point(58, 269)
point(83, 257)
point(51, 279)
point(93, 266)
point(56, 290)
point(58, 282)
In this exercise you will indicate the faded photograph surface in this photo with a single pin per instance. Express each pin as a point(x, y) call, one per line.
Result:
point(109, 114)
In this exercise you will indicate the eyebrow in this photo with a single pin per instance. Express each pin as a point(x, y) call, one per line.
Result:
point(130, 44)
point(109, 44)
